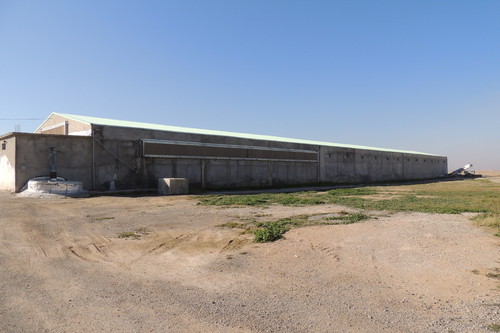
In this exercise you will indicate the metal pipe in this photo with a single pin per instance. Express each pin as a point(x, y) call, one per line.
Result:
point(53, 162)
point(203, 180)
point(93, 159)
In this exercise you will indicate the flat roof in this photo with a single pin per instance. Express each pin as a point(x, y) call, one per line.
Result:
point(158, 127)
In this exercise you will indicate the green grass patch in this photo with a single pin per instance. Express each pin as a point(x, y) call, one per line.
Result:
point(452, 197)
point(269, 231)
point(494, 327)
point(348, 219)
point(489, 220)
point(103, 218)
point(448, 197)
point(129, 234)
point(232, 225)
point(262, 199)
point(353, 191)
point(416, 202)
point(137, 234)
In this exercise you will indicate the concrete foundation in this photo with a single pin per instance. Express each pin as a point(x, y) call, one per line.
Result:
point(55, 186)
point(173, 186)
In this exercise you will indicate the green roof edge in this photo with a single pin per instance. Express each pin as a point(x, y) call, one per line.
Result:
point(125, 123)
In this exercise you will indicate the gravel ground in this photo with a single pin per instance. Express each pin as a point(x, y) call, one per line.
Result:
point(64, 269)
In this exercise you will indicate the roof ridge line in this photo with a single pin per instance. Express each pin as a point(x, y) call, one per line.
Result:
point(173, 128)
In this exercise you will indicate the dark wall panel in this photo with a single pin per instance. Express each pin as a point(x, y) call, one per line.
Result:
point(206, 151)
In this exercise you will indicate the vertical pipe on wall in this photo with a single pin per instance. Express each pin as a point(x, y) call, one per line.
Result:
point(319, 164)
point(93, 159)
point(270, 173)
point(228, 173)
point(16, 156)
point(203, 175)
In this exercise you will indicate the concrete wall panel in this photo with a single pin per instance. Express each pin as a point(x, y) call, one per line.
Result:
point(249, 174)
point(217, 173)
point(73, 158)
point(279, 173)
point(163, 168)
point(346, 171)
point(340, 165)
point(190, 169)
point(328, 164)
point(117, 160)
point(302, 173)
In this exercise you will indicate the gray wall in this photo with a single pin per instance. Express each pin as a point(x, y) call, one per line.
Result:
point(117, 160)
point(213, 173)
point(359, 165)
point(336, 164)
point(132, 134)
point(73, 158)
point(206, 173)
point(116, 154)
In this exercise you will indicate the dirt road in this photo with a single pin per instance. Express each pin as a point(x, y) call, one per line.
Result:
point(64, 269)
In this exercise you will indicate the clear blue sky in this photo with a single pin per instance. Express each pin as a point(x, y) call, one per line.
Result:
point(413, 75)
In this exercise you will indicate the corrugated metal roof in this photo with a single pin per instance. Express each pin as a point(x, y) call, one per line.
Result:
point(133, 124)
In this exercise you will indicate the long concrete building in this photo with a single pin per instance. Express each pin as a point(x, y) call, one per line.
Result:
point(97, 151)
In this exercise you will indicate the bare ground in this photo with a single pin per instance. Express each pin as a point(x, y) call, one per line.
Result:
point(64, 269)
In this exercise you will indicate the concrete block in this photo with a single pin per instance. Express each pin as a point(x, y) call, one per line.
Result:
point(173, 186)
point(61, 187)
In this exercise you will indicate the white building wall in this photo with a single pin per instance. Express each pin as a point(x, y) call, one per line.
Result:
point(7, 164)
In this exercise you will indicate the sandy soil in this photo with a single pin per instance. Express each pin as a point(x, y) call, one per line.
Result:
point(489, 173)
point(64, 269)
